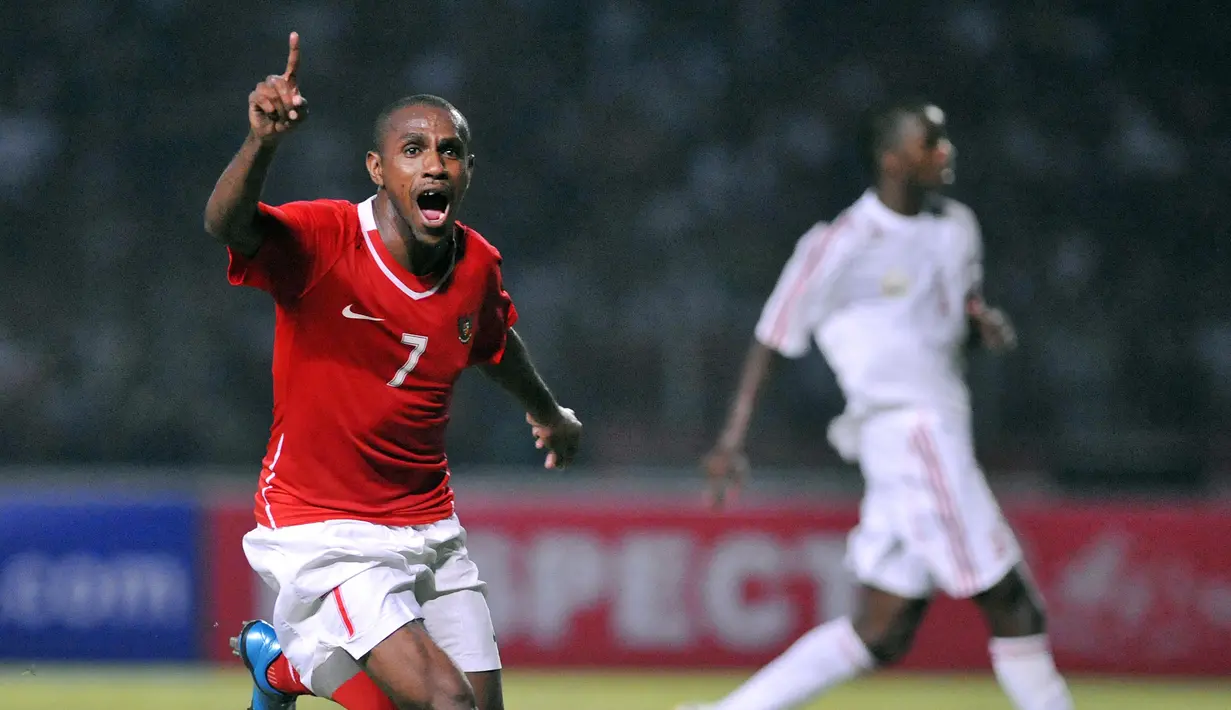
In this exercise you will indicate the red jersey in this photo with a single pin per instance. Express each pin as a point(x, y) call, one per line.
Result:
point(365, 357)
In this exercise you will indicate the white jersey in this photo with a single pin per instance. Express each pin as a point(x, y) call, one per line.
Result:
point(884, 297)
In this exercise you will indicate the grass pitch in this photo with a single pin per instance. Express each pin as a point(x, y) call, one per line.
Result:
point(146, 688)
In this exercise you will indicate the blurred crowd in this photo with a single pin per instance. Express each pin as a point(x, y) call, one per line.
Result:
point(646, 169)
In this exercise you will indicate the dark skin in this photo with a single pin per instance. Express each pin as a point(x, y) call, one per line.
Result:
point(421, 152)
point(917, 163)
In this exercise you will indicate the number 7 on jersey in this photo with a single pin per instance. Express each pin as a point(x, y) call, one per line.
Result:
point(417, 343)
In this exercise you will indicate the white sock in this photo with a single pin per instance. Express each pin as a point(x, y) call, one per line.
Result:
point(1028, 674)
point(826, 656)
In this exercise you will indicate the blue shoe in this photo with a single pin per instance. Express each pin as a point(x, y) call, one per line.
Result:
point(258, 646)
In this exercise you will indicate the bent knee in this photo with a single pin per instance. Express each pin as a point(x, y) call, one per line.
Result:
point(1025, 617)
point(458, 699)
point(461, 697)
point(889, 649)
point(888, 644)
point(453, 691)
point(1013, 608)
point(442, 698)
point(887, 624)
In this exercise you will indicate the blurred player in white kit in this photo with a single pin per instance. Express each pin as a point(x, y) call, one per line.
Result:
point(890, 291)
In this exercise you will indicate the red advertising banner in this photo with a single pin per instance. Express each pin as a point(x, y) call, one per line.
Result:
point(1129, 589)
point(233, 591)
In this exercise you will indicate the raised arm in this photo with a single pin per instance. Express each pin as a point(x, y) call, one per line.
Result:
point(275, 107)
point(555, 428)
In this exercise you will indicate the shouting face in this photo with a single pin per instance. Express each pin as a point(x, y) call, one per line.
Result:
point(424, 165)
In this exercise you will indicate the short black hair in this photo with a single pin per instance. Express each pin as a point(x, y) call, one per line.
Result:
point(382, 120)
point(881, 127)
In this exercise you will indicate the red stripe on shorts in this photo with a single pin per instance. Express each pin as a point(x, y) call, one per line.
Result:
point(337, 598)
point(951, 522)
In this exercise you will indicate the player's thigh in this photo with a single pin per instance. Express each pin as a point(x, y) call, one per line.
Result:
point(896, 583)
point(461, 624)
point(878, 550)
point(416, 673)
point(331, 599)
point(950, 518)
point(455, 609)
point(354, 618)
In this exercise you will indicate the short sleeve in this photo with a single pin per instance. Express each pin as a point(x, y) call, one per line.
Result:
point(796, 306)
point(302, 242)
point(496, 315)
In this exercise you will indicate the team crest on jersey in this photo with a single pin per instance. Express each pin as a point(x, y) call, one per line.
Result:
point(894, 283)
point(465, 329)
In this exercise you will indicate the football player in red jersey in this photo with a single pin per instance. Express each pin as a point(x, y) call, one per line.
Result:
point(379, 307)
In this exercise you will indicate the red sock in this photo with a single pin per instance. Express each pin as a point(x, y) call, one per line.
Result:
point(362, 693)
point(283, 677)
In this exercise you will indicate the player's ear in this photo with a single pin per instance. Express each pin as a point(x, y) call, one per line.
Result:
point(375, 170)
point(890, 163)
point(470, 162)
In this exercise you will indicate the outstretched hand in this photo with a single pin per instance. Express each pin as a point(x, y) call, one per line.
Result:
point(275, 106)
point(560, 437)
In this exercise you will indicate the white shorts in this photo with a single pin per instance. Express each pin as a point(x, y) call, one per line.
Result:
point(928, 519)
point(347, 585)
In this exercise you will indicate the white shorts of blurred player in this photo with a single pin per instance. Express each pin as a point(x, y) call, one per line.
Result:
point(928, 520)
point(343, 586)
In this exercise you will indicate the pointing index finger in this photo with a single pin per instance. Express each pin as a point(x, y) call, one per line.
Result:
point(292, 58)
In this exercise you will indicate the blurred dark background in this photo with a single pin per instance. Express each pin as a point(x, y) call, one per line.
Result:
point(646, 169)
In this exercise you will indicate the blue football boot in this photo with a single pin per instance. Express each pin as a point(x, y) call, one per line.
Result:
point(258, 646)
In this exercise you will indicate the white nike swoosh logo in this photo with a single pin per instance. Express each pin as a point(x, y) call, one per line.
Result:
point(349, 312)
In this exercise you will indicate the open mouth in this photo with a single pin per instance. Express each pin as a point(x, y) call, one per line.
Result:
point(434, 207)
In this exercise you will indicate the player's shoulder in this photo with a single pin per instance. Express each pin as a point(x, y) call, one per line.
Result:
point(321, 205)
point(957, 211)
point(478, 248)
point(319, 215)
point(846, 230)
